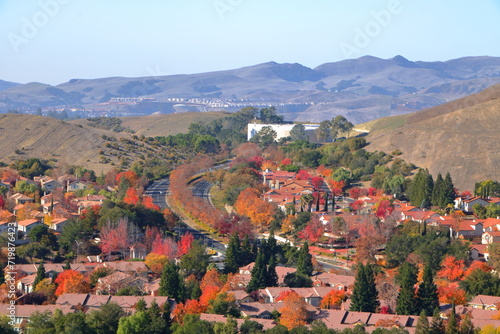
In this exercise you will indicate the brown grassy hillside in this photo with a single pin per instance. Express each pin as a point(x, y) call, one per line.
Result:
point(460, 137)
point(28, 136)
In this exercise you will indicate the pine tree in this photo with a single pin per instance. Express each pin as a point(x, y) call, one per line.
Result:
point(259, 273)
point(246, 253)
point(304, 261)
point(427, 292)
point(422, 324)
point(437, 192)
point(452, 325)
point(40, 275)
point(271, 275)
point(233, 255)
point(406, 301)
point(171, 283)
point(437, 324)
point(421, 189)
point(326, 201)
point(448, 195)
point(364, 295)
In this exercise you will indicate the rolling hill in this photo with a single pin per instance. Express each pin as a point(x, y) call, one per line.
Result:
point(361, 89)
point(460, 137)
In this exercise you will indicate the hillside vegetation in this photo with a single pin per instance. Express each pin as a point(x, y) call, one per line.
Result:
point(459, 137)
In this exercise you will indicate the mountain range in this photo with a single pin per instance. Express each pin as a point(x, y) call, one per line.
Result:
point(362, 89)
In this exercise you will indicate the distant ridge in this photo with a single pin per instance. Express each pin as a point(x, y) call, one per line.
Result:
point(361, 89)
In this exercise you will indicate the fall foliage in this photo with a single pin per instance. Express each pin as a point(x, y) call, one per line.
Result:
point(185, 244)
point(165, 246)
point(131, 196)
point(452, 269)
point(333, 299)
point(250, 204)
point(156, 262)
point(478, 265)
point(294, 311)
point(450, 293)
point(313, 231)
point(71, 281)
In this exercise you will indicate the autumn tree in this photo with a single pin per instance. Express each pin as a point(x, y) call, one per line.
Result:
point(156, 262)
point(71, 281)
point(250, 204)
point(313, 231)
point(451, 293)
point(294, 311)
point(115, 237)
point(452, 269)
point(333, 299)
point(185, 243)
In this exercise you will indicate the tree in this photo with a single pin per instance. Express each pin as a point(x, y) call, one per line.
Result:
point(452, 269)
point(156, 262)
point(224, 304)
point(313, 231)
point(233, 255)
point(340, 125)
point(323, 130)
point(5, 326)
point(364, 296)
point(480, 282)
point(259, 271)
point(333, 299)
point(438, 191)
point(407, 278)
point(427, 292)
point(33, 249)
point(106, 319)
point(37, 232)
point(298, 132)
point(448, 195)
point(452, 324)
point(421, 189)
point(304, 261)
point(251, 327)
point(133, 324)
point(271, 275)
point(171, 283)
point(294, 311)
point(185, 243)
point(71, 281)
point(452, 294)
point(195, 262)
point(437, 324)
point(422, 324)
point(40, 275)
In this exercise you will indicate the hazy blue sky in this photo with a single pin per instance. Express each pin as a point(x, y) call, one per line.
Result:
point(52, 41)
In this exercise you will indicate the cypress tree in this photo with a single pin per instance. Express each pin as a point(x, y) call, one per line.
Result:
point(304, 261)
point(427, 292)
point(422, 324)
point(259, 274)
point(171, 283)
point(40, 275)
point(233, 256)
point(247, 255)
point(448, 195)
point(271, 275)
point(406, 301)
point(326, 201)
point(364, 295)
point(317, 201)
point(437, 192)
point(452, 325)
point(421, 189)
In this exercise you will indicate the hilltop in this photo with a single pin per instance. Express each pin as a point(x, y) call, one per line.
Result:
point(361, 89)
point(459, 137)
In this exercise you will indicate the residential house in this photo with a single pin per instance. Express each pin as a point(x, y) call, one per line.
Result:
point(485, 302)
point(25, 284)
point(27, 224)
point(23, 312)
point(280, 271)
point(266, 323)
point(112, 283)
point(19, 198)
point(490, 237)
point(466, 204)
point(241, 296)
point(76, 185)
point(338, 282)
point(72, 299)
point(57, 224)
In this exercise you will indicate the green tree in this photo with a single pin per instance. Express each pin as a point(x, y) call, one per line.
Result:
point(224, 305)
point(422, 324)
point(427, 292)
point(41, 323)
point(251, 327)
point(171, 283)
point(406, 303)
point(364, 296)
point(340, 125)
point(304, 261)
point(5, 327)
point(452, 324)
point(421, 189)
point(233, 255)
point(296, 280)
point(37, 232)
point(133, 324)
point(437, 326)
point(193, 324)
point(323, 131)
point(195, 262)
point(259, 271)
point(438, 191)
point(105, 320)
point(71, 323)
point(33, 249)
point(72, 231)
point(479, 282)
point(228, 327)
point(298, 132)
point(271, 275)
point(40, 274)
point(448, 195)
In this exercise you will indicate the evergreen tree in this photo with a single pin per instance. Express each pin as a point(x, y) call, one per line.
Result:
point(326, 201)
point(421, 189)
point(40, 275)
point(422, 324)
point(437, 324)
point(259, 273)
point(233, 255)
point(467, 327)
point(406, 301)
point(67, 265)
point(364, 295)
point(246, 254)
point(304, 261)
point(271, 275)
point(427, 292)
point(437, 192)
point(452, 324)
point(448, 196)
point(171, 283)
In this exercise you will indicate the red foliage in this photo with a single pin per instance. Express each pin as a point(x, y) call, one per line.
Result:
point(211, 278)
point(451, 269)
point(313, 231)
point(114, 238)
point(372, 191)
point(129, 175)
point(257, 160)
point(2, 202)
point(286, 161)
point(465, 194)
point(209, 293)
point(185, 244)
point(303, 175)
point(191, 306)
point(354, 192)
point(337, 187)
point(357, 205)
point(166, 247)
point(478, 265)
point(284, 294)
point(150, 235)
point(451, 293)
point(384, 209)
point(333, 299)
point(131, 196)
point(148, 203)
point(317, 182)
point(385, 310)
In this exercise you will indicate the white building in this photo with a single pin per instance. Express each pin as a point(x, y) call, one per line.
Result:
point(282, 130)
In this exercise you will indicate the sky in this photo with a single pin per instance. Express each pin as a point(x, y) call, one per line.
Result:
point(53, 41)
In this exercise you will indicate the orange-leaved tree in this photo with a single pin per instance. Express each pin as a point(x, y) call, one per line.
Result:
point(250, 204)
point(452, 269)
point(156, 262)
point(131, 196)
point(333, 299)
point(450, 293)
point(211, 278)
point(192, 306)
point(478, 265)
point(294, 311)
point(71, 281)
